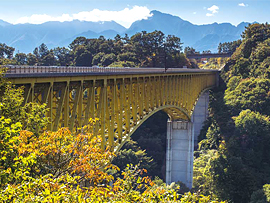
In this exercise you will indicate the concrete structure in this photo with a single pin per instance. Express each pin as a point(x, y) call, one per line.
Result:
point(179, 155)
point(181, 138)
point(200, 114)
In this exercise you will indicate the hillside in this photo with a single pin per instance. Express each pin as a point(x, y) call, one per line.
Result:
point(233, 160)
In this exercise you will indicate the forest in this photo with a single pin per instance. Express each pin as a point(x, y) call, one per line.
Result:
point(231, 163)
point(143, 49)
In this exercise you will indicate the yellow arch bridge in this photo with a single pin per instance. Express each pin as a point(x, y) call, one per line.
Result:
point(121, 98)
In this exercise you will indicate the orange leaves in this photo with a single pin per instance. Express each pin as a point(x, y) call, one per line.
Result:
point(27, 143)
point(62, 152)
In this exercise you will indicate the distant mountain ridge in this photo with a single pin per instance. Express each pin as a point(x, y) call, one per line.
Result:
point(190, 34)
point(25, 37)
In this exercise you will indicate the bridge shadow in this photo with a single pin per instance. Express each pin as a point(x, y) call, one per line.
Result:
point(151, 137)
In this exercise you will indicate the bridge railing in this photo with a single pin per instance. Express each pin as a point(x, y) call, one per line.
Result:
point(15, 69)
point(209, 55)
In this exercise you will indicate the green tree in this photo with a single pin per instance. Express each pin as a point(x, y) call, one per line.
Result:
point(82, 57)
point(6, 51)
point(190, 50)
point(31, 59)
point(62, 55)
point(21, 58)
point(108, 59)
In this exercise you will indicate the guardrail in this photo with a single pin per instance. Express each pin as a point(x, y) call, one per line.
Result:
point(73, 69)
point(210, 55)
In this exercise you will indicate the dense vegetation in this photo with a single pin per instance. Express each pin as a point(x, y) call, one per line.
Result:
point(233, 161)
point(140, 50)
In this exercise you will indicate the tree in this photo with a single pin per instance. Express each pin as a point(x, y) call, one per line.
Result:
point(31, 59)
point(131, 153)
point(82, 57)
point(21, 58)
point(108, 59)
point(48, 59)
point(97, 58)
point(190, 50)
point(249, 94)
point(62, 55)
point(77, 42)
point(228, 47)
point(6, 51)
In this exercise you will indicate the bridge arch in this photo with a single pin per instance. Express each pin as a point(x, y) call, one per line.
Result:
point(168, 109)
point(175, 113)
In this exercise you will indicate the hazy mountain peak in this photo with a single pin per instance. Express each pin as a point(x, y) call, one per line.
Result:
point(4, 23)
point(159, 14)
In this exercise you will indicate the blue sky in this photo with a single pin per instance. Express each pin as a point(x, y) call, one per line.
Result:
point(127, 11)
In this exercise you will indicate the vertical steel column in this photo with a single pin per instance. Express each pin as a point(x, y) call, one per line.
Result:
point(120, 118)
point(146, 94)
point(113, 114)
point(152, 92)
point(75, 106)
point(66, 108)
point(103, 113)
point(50, 106)
point(100, 90)
point(162, 90)
point(63, 96)
point(140, 97)
point(90, 103)
point(80, 105)
point(134, 100)
point(128, 104)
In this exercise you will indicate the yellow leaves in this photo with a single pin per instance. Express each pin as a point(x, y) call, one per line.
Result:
point(54, 167)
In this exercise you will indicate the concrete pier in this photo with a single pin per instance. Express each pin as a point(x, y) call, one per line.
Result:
point(179, 155)
point(182, 136)
point(199, 115)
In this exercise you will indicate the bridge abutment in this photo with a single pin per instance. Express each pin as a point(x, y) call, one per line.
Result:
point(182, 136)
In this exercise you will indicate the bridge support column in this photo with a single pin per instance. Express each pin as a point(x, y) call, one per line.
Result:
point(199, 115)
point(179, 154)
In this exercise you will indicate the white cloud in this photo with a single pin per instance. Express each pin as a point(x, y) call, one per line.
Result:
point(243, 5)
point(41, 18)
point(213, 9)
point(125, 17)
point(195, 13)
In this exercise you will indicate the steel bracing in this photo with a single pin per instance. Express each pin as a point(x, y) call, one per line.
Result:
point(121, 101)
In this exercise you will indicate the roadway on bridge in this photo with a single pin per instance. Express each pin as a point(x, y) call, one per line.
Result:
point(63, 71)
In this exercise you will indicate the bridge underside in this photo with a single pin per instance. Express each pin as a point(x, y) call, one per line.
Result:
point(121, 103)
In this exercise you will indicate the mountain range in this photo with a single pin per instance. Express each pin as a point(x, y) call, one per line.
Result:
point(25, 37)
